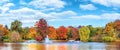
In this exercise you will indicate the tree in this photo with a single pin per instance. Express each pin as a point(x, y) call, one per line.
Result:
point(16, 26)
point(84, 33)
point(38, 38)
point(117, 27)
point(109, 33)
point(73, 33)
point(15, 36)
point(62, 33)
point(52, 32)
point(25, 32)
point(42, 27)
point(98, 34)
point(33, 33)
point(109, 30)
point(92, 30)
point(3, 32)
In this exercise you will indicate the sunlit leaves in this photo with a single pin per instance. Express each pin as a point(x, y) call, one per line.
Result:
point(52, 32)
point(84, 33)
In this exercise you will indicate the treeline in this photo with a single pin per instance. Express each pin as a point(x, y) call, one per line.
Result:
point(109, 33)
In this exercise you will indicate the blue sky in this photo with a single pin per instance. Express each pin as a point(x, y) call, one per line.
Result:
point(60, 12)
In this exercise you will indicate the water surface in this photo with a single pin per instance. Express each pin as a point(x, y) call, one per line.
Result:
point(60, 46)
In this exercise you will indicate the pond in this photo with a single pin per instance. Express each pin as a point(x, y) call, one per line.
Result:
point(60, 46)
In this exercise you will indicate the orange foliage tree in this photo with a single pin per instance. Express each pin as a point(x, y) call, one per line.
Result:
point(32, 33)
point(62, 33)
point(52, 32)
point(3, 30)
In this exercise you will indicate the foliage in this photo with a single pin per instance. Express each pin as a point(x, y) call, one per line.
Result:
point(99, 30)
point(69, 33)
point(42, 27)
point(3, 32)
point(15, 36)
point(108, 39)
point(62, 33)
point(25, 32)
point(16, 26)
point(92, 30)
point(73, 33)
point(38, 38)
point(109, 30)
point(84, 33)
point(52, 32)
point(33, 33)
point(116, 24)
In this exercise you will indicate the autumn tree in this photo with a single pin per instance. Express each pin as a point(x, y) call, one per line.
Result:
point(73, 33)
point(84, 33)
point(15, 36)
point(62, 33)
point(117, 27)
point(3, 32)
point(33, 33)
point(42, 27)
point(52, 32)
point(109, 30)
point(109, 33)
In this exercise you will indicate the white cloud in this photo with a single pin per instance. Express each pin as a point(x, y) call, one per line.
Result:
point(6, 7)
point(27, 15)
point(111, 16)
point(88, 7)
point(86, 17)
point(108, 3)
point(105, 16)
point(43, 4)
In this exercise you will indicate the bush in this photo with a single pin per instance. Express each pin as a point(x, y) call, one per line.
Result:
point(90, 40)
point(108, 39)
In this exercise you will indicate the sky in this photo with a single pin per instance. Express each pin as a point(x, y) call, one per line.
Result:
point(60, 12)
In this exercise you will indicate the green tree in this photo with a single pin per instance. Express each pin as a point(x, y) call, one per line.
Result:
point(16, 26)
point(25, 32)
point(69, 33)
point(84, 33)
point(92, 30)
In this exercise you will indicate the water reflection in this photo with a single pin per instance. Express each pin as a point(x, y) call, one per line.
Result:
point(60, 46)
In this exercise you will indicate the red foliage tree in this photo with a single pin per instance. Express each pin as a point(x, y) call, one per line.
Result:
point(117, 25)
point(42, 27)
point(38, 38)
point(62, 33)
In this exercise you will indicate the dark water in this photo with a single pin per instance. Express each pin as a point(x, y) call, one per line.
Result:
point(60, 46)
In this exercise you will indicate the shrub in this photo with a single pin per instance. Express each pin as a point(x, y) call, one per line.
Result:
point(108, 39)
